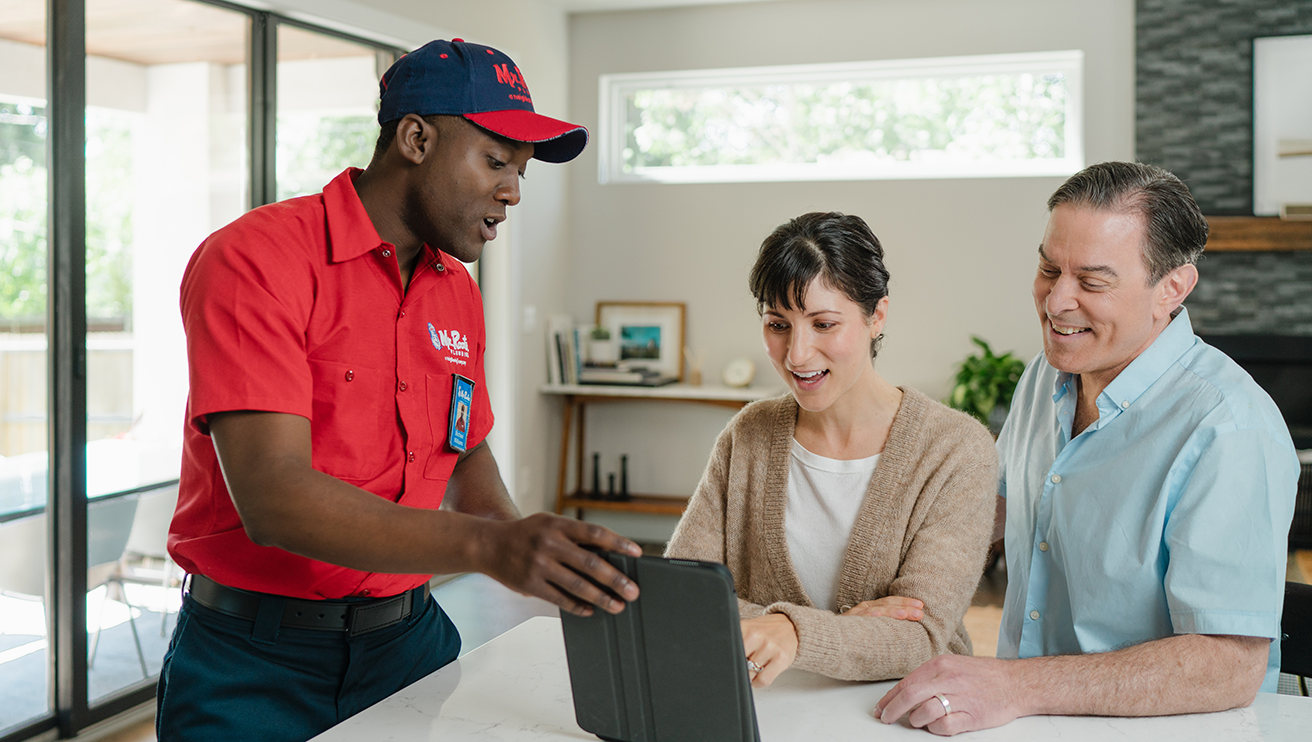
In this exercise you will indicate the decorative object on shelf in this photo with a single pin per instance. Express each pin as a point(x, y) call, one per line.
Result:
point(601, 349)
point(624, 495)
point(647, 335)
point(739, 373)
point(695, 361)
point(610, 486)
point(985, 384)
point(1296, 212)
point(596, 477)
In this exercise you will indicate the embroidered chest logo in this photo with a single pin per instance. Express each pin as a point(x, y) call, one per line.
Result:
point(451, 342)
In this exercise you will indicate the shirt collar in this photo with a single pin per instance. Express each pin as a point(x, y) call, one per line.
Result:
point(1148, 367)
point(1143, 371)
point(351, 232)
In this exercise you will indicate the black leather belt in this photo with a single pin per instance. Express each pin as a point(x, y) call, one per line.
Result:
point(354, 617)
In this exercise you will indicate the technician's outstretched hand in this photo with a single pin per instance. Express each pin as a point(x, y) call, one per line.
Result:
point(283, 501)
point(543, 556)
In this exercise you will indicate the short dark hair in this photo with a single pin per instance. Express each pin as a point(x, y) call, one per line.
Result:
point(838, 248)
point(1175, 230)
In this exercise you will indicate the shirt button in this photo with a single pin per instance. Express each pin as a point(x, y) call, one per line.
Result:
point(350, 375)
point(365, 593)
point(387, 253)
point(1056, 479)
point(410, 455)
point(1043, 546)
point(1125, 405)
point(440, 267)
point(402, 312)
point(1034, 615)
point(401, 386)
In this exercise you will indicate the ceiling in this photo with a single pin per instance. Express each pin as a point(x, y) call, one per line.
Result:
point(168, 31)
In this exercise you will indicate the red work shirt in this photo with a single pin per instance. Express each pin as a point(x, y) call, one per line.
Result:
point(297, 307)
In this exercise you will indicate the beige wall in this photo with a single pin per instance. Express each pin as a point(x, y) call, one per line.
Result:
point(961, 252)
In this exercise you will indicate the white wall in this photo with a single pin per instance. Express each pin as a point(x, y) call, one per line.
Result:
point(961, 252)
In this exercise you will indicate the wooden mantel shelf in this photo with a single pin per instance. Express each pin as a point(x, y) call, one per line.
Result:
point(1240, 233)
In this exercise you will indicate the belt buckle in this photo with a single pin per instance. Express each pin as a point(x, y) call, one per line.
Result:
point(362, 619)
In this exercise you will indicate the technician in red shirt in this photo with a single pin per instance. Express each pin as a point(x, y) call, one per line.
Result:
point(330, 338)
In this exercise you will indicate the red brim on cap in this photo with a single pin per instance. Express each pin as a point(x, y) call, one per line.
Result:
point(553, 140)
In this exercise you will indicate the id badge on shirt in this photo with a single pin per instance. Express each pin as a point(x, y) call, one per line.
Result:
point(462, 403)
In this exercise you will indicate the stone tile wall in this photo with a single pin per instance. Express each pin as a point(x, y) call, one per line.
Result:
point(1193, 114)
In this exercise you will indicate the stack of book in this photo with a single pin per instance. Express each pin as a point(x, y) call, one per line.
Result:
point(618, 374)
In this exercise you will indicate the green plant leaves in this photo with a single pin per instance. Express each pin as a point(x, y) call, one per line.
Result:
point(985, 381)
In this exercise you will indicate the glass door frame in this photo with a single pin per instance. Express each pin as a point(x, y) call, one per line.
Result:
point(67, 331)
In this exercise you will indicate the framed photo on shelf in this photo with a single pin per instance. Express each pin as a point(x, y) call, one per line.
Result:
point(647, 335)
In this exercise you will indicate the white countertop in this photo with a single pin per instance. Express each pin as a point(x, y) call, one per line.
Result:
point(516, 687)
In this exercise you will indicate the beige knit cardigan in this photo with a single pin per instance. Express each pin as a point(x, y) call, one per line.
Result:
point(921, 532)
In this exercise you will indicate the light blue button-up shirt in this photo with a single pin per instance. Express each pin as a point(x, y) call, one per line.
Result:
point(1168, 515)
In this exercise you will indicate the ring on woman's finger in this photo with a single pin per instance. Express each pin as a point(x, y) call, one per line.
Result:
point(947, 707)
point(752, 665)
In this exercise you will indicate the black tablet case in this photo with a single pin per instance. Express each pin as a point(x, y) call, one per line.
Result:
point(669, 667)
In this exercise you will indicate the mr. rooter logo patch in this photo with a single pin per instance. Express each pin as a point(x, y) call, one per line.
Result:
point(451, 342)
point(507, 75)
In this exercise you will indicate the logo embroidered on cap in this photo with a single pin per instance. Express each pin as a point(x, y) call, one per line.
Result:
point(513, 77)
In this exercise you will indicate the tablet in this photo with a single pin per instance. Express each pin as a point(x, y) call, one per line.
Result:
point(670, 667)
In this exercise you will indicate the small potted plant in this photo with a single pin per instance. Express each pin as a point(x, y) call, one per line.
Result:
point(601, 351)
point(985, 384)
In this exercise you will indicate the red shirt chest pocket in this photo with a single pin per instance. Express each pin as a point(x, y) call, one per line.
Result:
point(353, 430)
point(441, 460)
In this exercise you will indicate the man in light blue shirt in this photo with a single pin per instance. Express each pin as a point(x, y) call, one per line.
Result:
point(1149, 486)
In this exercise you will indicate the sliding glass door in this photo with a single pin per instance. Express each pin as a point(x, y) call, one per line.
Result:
point(129, 131)
point(25, 680)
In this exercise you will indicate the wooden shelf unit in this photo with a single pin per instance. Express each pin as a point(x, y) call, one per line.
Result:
point(1249, 233)
point(578, 396)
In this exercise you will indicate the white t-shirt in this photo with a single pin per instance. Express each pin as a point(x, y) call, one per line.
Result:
point(824, 497)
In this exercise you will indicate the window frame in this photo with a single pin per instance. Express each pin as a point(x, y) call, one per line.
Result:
point(613, 89)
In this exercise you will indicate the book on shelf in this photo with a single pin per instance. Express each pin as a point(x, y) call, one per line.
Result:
point(565, 349)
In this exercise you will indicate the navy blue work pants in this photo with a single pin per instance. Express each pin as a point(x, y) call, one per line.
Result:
point(225, 679)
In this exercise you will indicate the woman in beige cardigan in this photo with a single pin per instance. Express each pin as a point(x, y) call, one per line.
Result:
point(853, 514)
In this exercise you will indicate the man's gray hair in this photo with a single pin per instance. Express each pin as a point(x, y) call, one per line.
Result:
point(1174, 227)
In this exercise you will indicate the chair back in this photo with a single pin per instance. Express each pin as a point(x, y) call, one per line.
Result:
point(109, 522)
point(150, 529)
point(23, 546)
point(23, 556)
point(1296, 630)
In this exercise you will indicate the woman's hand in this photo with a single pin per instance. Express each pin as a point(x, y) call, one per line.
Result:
point(771, 643)
point(892, 606)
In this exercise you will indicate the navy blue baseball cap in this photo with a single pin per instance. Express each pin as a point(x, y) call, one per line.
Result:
point(457, 78)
